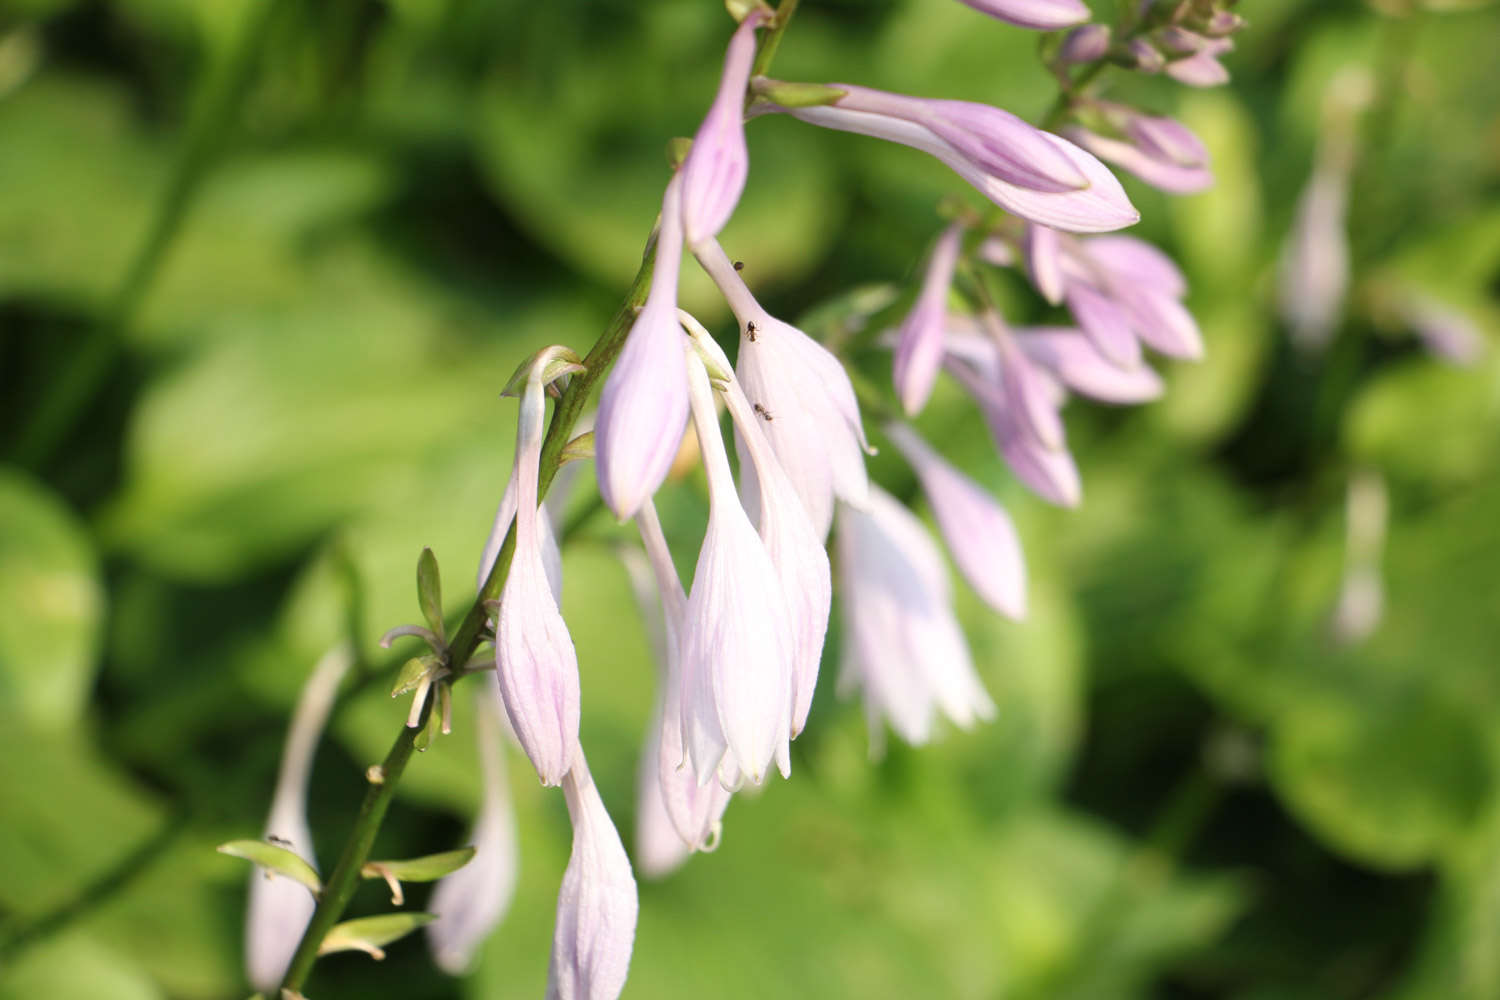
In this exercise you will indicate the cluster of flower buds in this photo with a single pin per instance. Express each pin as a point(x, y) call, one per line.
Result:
point(740, 647)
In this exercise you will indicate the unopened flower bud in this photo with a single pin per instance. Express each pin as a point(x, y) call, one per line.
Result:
point(1084, 44)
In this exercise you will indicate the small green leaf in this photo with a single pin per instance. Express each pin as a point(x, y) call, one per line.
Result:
point(276, 859)
point(368, 934)
point(413, 671)
point(428, 868)
point(579, 448)
point(430, 591)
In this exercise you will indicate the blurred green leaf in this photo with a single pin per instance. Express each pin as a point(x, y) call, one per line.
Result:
point(53, 604)
point(1429, 422)
point(76, 966)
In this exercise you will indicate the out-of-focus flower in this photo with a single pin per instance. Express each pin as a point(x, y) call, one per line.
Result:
point(903, 647)
point(919, 347)
point(815, 426)
point(1315, 262)
point(1084, 44)
point(470, 902)
point(794, 545)
point(674, 814)
point(1147, 58)
point(279, 907)
point(534, 656)
point(1160, 151)
point(980, 535)
point(643, 405)
point(1362, 596)
point(713, 175)
point(1121, 290)
point(737, 642)
point(1098, 205)
point(1202, 68)
point(1039, 15)
point(1065, 353)
point(1445, 332)
point(597, 904)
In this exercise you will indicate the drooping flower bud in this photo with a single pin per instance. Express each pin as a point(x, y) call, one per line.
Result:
point(919, 347)
point(597, 904)
point(1039, 15)
point(815, 426)
point(1084, 44)
point(534, 655)
point(980, 535)
point(643, 405)
point(713, 175)
point(902, 643)
point(505, 513)
point(279, 907)
point(470, 902)
point(1160, 151)
point(737, 643)
point(795, 547)
point(1148, 59)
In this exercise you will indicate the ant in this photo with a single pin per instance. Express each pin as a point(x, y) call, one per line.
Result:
point(762, 411)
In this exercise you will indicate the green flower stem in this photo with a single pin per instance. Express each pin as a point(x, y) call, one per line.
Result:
point(772, 40)
point(344, 879)
point(90, 361)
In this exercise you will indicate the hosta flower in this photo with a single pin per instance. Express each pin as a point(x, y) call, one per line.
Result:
point(1084, 44)
point(1200, 68)
point(903, 647)
point(674, 814)
point(713, 175)
point(1063, 352)
point(1315, 262)
point(737, 641)
point(597, 903)
point(1040, 15)
point(534, 656)
point(471, 901)
point(505, 513)
point(814, 424)
point(1121, 290)
point(979, 533)
point(279, 907)
point(919, 346)
point(1076, 193)
point(794, 545)
point(1160, 151)
point(643, 405)
point(1445, 332)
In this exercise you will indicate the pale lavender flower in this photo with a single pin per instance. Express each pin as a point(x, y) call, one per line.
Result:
point(1160, 151)
point(1099, 206)
point(1084, 44)
point(1039, 15)
point(980, 535)
point(902, 643)
point(1066, 353)
point(815, 426)
point(1202, 68)
point(597, 903)
point(713, 175)
point(737, 643)
point(1050, 473)
point(919, 348)
point(1361, 598)
point(674, 815)
point(280, 908)
point(1147, 58)
point(1315, 262)
point(643, 405)
point(534, 655)
point(1041, 249)
point(1445, 332)
point(794, 545)
point(505, 513)
point(470, 902)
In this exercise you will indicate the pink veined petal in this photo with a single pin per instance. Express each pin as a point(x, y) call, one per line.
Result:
point(1101, 207)
point(1075, 360)
point(1167, 139)
point(504, 514)
point(713, 174)
point(1050, 474)
point(919, 349)
point(1039, 15)
point(1025, 387)
point(643, 405)
point(534, 655)
point(596, 904)
point(1137, 261)
point(1162, 322)
point(980, 535)
point(1043, 262)
point(1154, 170)
point(1105, 322)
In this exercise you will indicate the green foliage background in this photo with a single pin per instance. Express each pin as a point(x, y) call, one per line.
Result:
point(1191, 790)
